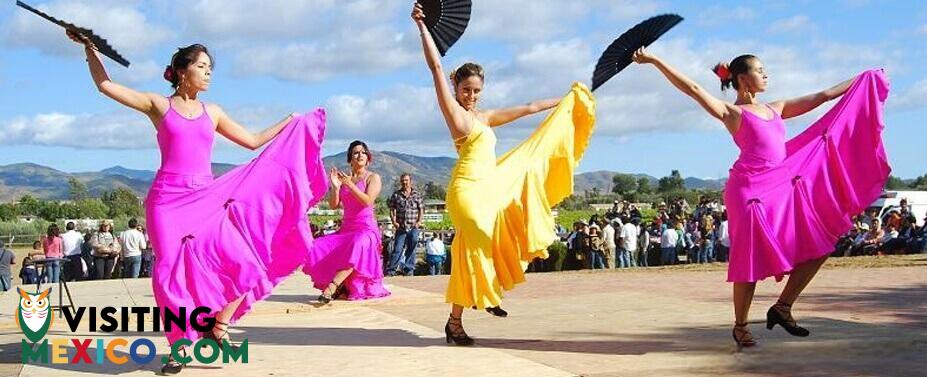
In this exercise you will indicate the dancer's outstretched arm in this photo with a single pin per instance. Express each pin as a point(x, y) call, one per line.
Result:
point(723, 111)
point(143, 102)
point(239, 135)
point(458, 121)
point(499, 117)
point(794, 107)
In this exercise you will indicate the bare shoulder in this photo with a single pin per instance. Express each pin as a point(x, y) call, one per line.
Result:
point(777, 106)
point(483, 116)
point(733, 118)
point(214, 109)
point(159, 103)
point(158, 100)
point(215, 112)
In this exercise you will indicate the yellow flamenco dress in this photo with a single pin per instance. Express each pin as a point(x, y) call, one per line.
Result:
point(501, 209)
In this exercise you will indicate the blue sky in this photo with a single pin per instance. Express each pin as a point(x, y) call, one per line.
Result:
point(361, 60)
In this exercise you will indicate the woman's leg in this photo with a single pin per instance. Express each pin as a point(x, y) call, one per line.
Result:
point(54, 272)
point(223, 317)
point(799, 279)
point(454, 330)
point(743, 297)
point(336, 282)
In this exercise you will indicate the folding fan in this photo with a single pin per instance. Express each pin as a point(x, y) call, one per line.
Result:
point(446, 21)
point(618, 55)
point(101, 44)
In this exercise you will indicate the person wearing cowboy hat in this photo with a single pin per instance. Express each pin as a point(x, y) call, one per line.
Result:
point(328, 227)
point(608, 233)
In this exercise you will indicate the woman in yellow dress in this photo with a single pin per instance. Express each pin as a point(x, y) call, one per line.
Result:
point(501, 208)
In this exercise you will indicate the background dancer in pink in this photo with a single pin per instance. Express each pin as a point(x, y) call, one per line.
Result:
point(349, 261)
point(222, 243)
point(788, 201)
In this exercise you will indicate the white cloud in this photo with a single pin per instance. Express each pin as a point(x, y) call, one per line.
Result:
point(125, 28)
point(914, 98)
point(400, 114)
point(364, 51)
point(138, 72)
point(541, 20)
point(121, 130)
point(795, 24)
point(238, 19)
point(306, 41)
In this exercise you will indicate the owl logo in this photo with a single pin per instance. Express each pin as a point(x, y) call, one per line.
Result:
point(33, 315)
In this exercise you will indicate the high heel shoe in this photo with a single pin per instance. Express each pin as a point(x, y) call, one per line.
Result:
point(218, 339)
point(459, 337)
point(745, 337)
point(173, 366)
point(497, 311)
point(775, 317)
point(326, 297)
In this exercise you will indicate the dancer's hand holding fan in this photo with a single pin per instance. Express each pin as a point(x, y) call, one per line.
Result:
point(81, 35)
point(445, 20)
point(618, 55)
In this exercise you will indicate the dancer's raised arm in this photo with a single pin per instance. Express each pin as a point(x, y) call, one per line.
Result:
point(458, 121)
point(143, 102)
point(794, 107)
point(724, 111)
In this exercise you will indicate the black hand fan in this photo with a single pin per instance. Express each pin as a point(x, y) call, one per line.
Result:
point(101, 45)
point(446, 21)
point(618, 55)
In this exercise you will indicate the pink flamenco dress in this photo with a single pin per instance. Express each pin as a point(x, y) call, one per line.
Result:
point(239, 235)
point(357, 245)
point(789, 201)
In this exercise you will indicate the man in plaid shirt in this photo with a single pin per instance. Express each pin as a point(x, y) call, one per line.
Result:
point(406, 211)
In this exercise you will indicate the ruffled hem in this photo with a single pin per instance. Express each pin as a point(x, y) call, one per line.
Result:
point(835, 169)
point(358, 249)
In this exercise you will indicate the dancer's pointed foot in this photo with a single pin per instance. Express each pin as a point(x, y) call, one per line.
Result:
point(497, 311)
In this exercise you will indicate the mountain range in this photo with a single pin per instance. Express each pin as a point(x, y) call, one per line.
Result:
point(48, 183)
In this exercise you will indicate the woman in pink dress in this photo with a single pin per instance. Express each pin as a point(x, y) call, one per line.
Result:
point(222, 243)
point(788, 201)
point(53, 247)
point(349, 261)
